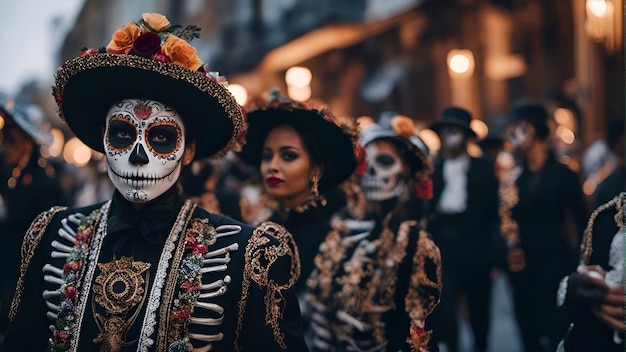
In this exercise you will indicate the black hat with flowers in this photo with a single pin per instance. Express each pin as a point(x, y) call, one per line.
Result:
point(401, 131)
point(337, 142)
point(150, 59)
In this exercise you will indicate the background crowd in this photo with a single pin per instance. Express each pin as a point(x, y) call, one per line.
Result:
point(492, 218)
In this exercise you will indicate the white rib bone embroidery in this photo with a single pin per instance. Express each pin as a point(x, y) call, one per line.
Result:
point(214, 261)
point(54, 275)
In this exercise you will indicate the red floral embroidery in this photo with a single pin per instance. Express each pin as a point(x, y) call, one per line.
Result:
point(61, 335)
point(71, 273)
point(70, 292)
point(71, 266)
point(190, 286)
point(83, 237)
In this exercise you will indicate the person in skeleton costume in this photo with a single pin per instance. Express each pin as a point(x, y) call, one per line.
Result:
point(148, 270)
point(541, 200)
point(463, 218)
point(28, 175)
point(301, 153)
point(378, 273)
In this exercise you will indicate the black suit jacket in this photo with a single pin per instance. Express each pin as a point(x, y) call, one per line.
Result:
point(468, 236)
point(256, 281)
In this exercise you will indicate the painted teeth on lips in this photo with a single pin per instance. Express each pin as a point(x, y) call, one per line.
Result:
point(273, 181)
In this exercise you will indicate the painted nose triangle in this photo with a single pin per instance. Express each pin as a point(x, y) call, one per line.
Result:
point(138, 156)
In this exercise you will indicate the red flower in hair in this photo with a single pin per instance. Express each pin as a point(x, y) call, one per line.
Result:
point(361, 164)
point(424, 188)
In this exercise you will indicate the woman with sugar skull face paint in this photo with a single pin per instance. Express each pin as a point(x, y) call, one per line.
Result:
point(540, 199)
point(301, 154)
point(378, 273)
point(149, 270)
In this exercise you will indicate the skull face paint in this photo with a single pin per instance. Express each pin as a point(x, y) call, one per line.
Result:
point(520, 135)
point(144, 148)
point(384, 178)
point(452, 137)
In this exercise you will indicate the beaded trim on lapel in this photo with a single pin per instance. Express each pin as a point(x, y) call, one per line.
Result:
point(31, 241)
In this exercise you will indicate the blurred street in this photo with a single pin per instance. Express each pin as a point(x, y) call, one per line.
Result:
point(504, 334)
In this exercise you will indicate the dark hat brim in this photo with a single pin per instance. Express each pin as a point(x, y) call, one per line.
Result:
point(437, 125)
point(28, 117)
point(87, 86)
point(335, 146)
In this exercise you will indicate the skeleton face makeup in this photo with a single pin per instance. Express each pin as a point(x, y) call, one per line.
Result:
point(384, 178)
point(520, 135)
point(452, 137)
point(144, 148)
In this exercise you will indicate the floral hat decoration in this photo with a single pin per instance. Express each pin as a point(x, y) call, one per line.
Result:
point(151, 59)
point(402, 132)
point(339, 146)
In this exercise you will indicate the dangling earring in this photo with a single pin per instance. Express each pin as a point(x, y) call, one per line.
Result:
point(315, 200)
point(314, 189)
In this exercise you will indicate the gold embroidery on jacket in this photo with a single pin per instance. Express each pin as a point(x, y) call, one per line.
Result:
point(259, 258)
point(119, 288)
point(29, 245)
point(420, 301)
point(375, 263)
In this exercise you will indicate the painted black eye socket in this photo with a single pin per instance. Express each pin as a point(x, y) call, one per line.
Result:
point(121, 134)
point(163, 139)
point(385, 160)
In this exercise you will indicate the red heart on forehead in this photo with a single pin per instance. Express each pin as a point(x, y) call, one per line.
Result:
point(142, 111)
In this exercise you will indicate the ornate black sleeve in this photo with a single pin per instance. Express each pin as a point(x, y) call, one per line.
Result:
point(272, 266)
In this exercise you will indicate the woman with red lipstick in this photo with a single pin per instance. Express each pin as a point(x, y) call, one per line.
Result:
point(301, 154)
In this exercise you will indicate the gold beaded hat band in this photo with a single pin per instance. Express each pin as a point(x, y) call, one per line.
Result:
point(150, 59)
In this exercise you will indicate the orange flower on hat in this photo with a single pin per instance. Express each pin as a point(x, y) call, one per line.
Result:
point(181, 53)
point(155, 21)
point(123, 39)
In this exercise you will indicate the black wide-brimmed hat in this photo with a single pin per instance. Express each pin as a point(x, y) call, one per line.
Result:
point(454, 116)
point(28, 117)
point(335, 141)
point(527, 110)
point(151, 60)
